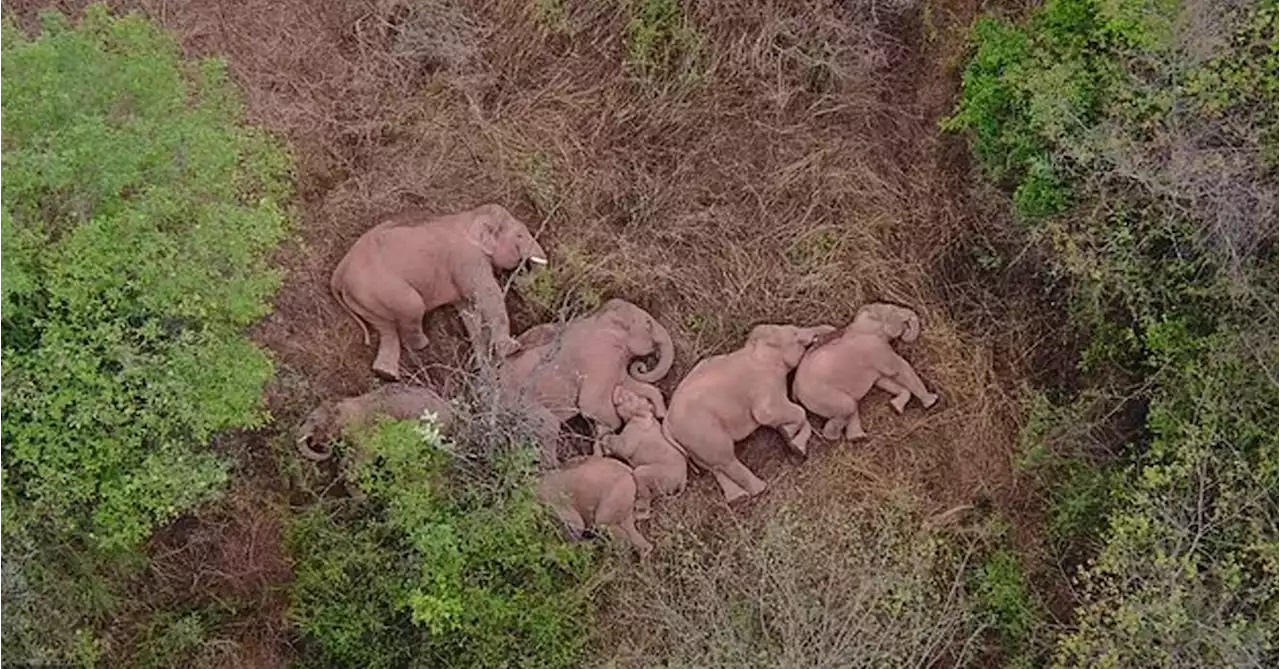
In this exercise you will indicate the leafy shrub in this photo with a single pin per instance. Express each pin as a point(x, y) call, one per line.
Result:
point(1003, 591)
point(138, 215)
point(423, 570)
point(659, 38)
point(1138, 137)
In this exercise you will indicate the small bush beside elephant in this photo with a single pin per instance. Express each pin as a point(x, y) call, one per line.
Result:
point(593, 366)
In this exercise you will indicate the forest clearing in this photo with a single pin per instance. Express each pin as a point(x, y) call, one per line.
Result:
point(1077, 197)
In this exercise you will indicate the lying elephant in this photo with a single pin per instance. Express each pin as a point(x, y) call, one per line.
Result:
point(395, 400)
point(833, 377)
point(660, 468)
point(724, 399)
point(563, 370)
point(412, 263)
point(594, 491)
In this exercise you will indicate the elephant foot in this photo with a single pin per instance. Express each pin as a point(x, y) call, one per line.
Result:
point(386, 372)
point(858, 435)
point(899, 402)
point(505, 346)
point(731, 496)
point(416, 341)
point(929, 400)
point(832, 430)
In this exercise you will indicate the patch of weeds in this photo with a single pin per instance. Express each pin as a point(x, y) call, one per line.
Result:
point(814, 247)
point(551, 15)
point(1004, 593)
point(563, 287)
point(660, 39)
point(538, 174)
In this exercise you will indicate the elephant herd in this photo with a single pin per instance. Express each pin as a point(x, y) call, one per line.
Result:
point(593, 366)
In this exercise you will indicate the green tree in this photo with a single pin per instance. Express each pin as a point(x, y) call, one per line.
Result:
point(139, 211)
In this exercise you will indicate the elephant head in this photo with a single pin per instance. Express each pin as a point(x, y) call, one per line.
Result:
point(645, 336)
point(789, 342)
point(630, 405)
point(887, 320)
point(320, 427)
point(505, 239)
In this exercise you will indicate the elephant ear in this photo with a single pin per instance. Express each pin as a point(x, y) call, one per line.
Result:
point(485, 230)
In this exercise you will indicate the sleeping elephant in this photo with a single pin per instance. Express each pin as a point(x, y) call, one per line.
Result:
point(833, 377)
point(724, 399)
point(594, 491)
point(413, 263)
point(400, 401)
point(659, 467)
point(569, 369)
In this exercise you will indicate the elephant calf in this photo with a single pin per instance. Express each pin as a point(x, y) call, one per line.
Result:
point(400, 401)
point(725, 398)
point(594, 491)
point(833, 377)
point(660, 467)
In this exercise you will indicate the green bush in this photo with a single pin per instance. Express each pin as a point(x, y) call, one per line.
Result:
point(1004, 593)
point(424, 570)
point(1139, 138)
point(138, 215)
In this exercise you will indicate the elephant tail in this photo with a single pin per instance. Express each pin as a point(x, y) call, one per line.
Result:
point(666, 433)
point(340, 294)
point(305, 450)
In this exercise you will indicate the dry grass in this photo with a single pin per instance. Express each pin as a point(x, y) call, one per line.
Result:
point(784, 167)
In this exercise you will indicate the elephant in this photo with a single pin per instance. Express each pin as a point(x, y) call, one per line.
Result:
point(395, 400)
point(594, 491)
point(413, 263)
point(660, 468)
point(563, 370)
point(726, 397)
point(832, 378)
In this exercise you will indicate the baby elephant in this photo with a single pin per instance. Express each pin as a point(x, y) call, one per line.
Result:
point(594, 491)
point(400, 401)
point(660, 467)
point(833, 377)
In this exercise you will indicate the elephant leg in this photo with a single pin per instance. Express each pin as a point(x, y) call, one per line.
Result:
point(904, 375)
point(410, 327)
point(901, 396)
point(649, 392)
point(833, 428)
point(387, 364)
point(788, 418)
point(647, 487)
point(745, 479)
point(853, 430)
point(732, 491)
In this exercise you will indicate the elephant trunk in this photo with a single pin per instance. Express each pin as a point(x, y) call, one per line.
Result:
point(913, 325)
point(305, 450)
point(666, 356)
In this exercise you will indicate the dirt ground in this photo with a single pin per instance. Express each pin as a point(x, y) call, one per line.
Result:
point(781, 164)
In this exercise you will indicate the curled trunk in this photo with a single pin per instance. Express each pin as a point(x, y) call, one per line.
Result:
point(666, 356)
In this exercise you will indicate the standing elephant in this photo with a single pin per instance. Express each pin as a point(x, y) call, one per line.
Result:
point(594, 491)
point(412, 263)
point(660, 467)
point(400, 401)
point(724, 399)
point(833, 377)
point(565, 370)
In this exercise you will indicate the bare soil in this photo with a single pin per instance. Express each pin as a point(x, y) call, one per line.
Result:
point(787, 168)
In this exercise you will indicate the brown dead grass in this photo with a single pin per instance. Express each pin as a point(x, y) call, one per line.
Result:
point(788, 170)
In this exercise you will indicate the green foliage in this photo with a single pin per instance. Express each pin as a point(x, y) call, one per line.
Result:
point(138, 214)
point(659, 37)
point(424, 571)
point(1139, 139)
point(1003, 591)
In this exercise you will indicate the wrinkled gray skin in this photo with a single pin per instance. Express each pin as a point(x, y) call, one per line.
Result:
point(725, 398)
point(412, 263)
point(833, 377)
point(395, 400)
point(594, 491)
point(563, 370)
point(659, 467)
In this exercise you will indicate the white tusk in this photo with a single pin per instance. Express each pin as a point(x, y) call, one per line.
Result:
point(537, 261)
